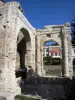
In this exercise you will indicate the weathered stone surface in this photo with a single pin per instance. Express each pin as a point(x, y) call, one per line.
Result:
point(2, 98)
point(12, 21)
point(54, 31)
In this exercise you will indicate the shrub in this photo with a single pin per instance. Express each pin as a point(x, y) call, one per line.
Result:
point(51, 61)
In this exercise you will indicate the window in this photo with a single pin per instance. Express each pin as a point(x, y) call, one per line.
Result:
point(48, 35)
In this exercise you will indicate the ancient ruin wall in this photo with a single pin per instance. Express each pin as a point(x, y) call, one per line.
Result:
point(11, 22)
point(54, 32)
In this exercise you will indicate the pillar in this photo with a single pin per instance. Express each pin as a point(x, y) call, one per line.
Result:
point(67, 50)
point(38, 56)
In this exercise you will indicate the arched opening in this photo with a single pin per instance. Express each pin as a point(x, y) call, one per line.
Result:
point(74, 67)
point(23, 57)
point(52, 58)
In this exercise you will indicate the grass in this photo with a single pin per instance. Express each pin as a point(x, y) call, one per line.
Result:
point(20, 97)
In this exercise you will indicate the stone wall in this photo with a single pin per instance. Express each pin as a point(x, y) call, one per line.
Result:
point(12, 21)
point(53, 70)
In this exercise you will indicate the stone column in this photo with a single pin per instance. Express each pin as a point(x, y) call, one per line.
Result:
point(33, 51)
point(66, 50)
point(7, 65)
point(8, 85)
point(68, 31)
point(38, 56)
point(42, 65)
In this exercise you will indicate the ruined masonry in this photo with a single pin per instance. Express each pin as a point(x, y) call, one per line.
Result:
point(13, 28)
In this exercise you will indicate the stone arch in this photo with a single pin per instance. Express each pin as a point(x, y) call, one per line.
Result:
point(52, 40)
point(55, 40)
point(24, 45)
point(58, 44)
point(9, 59)
point(52, 69)
point(41, 39)
point(23, 53)
point(25, 28)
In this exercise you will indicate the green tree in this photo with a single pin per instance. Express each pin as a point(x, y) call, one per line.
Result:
point(47, 60)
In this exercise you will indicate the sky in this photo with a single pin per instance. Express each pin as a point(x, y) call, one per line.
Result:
point(49, 43)
point(47, 12)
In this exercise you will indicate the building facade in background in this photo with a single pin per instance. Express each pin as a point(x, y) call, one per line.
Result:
point(53, 51)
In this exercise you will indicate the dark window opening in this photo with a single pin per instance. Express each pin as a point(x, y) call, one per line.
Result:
point(48, 35)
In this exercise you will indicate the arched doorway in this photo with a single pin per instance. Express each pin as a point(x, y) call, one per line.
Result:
point(23, 57)
point(52, 58)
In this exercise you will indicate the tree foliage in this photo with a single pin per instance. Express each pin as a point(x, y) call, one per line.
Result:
point(47, 60)
point(51, 61)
